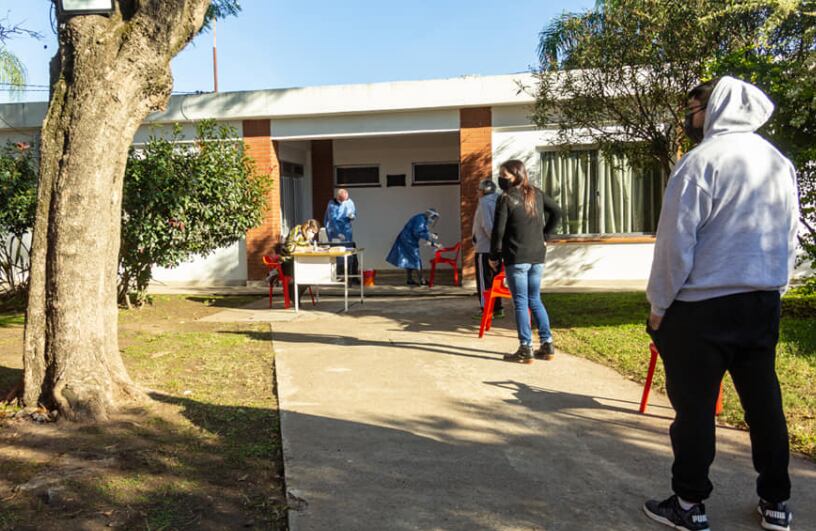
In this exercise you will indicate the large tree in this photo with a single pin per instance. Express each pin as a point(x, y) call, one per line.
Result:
point(109, 73)
point(617, 75)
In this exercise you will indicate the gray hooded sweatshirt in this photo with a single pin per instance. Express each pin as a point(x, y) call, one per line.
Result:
point(730, 211)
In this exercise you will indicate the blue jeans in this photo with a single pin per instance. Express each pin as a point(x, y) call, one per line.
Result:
point(524, 281)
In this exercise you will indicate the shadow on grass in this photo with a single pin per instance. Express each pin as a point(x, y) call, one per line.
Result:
point(231, 301)
point(146, 470)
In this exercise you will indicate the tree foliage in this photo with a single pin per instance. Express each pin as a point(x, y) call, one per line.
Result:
point(617, 76)
point(18, 202)
point(12, 70)
point(180, 199)
point(184, 199)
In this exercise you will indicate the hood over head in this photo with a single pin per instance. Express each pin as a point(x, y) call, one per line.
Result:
point(736, 107)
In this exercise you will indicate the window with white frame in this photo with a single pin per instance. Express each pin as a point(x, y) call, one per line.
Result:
point(436, 173)
point(361, 175)
point(600, 194)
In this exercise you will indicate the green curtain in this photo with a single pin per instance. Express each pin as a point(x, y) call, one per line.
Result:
point(601, 195)
point(567, 178)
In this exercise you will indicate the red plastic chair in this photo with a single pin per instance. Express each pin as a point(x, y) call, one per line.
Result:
point(497, 291)
point(273, 263)
point(439, 259)
point(648, 385)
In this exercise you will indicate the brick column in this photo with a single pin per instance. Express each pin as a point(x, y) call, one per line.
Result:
point(262, 239)
point(322, 176)
point(475, 165)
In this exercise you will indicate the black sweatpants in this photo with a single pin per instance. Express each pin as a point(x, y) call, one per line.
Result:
point(484, 279)
point(698, 342)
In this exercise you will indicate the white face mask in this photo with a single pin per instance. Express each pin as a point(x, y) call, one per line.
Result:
point(310, 235)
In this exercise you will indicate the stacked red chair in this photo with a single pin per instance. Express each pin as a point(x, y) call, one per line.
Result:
point(497, 291)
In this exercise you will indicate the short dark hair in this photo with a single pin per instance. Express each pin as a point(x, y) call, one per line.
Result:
point(702, 92)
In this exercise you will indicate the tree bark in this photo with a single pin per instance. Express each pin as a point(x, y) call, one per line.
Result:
point(109, 73)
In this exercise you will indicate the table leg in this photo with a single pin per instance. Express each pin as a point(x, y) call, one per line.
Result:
point(294, 282)
point(345, 279)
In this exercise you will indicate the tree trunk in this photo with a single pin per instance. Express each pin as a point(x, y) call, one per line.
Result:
point(109, 73)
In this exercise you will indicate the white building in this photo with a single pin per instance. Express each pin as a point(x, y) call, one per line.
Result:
point(400, 148)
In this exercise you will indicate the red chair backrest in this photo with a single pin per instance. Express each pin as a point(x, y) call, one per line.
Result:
point(498, 284)
point(457, 248)
point(272, 262)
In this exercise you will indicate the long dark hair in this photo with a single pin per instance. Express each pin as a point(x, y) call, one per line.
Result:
point(520, 179)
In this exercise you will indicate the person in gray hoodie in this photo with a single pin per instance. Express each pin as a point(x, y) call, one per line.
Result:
point(482, 229)
point(724, 253)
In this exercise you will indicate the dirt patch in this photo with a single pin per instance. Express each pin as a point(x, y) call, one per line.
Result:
point(205, 454)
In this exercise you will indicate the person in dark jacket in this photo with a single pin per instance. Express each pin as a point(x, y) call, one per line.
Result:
point(525, 217)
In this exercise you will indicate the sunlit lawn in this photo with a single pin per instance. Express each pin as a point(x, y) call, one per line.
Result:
point(610, 328)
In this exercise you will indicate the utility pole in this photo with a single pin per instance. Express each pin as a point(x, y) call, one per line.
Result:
point(215, 61)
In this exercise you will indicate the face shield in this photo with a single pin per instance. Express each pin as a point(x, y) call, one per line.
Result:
point(432, 215)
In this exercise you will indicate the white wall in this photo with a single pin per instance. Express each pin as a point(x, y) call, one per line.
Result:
point(188, 131)
point(225, 267)
point(514, 137)
point(348, 125)
point(571, 262)
point(383, 211)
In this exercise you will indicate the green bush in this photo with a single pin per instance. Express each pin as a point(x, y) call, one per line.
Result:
point(18, 203)
point(185, 199)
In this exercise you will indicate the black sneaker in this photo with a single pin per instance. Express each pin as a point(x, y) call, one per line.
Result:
point(668, 512)
point(545, 352)
point(524, 354)
point(775, 516)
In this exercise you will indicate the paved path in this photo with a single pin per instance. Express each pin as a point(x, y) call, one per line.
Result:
point(396, 416)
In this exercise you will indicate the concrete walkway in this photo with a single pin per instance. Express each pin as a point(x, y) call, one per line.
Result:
point(396, 416)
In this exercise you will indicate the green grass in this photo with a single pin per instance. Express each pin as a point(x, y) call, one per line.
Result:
point(12, 319)
point(206, 454)
point(610, 328)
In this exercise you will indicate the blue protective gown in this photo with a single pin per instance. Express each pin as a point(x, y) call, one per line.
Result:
point(338, 219)
point(405, 251)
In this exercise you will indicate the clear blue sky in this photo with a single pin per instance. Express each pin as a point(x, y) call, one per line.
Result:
point(291, 43)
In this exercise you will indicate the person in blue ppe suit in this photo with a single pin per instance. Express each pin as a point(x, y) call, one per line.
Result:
point(405, 251)
point(340, 213)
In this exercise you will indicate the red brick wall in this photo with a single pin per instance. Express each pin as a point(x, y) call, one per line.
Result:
point(262, 239)
point(322, 176)
point(476, 164)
